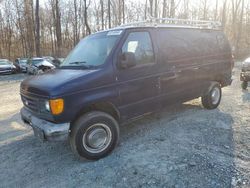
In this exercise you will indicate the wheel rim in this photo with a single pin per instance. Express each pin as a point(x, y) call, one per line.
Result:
point(97, 138)
point(215, 95)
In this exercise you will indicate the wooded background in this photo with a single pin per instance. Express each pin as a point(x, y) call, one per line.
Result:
point(53, 27)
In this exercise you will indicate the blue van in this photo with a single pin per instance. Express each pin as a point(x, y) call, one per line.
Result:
point(114, 76)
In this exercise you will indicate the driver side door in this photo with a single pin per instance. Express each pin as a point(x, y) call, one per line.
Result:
point(138, 85)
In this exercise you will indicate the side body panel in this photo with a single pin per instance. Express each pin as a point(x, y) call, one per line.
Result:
point(194, 58)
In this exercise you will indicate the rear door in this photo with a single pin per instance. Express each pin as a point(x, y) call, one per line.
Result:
point(138, 86)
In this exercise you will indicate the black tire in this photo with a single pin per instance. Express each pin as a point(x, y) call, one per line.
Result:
point(244, 85)
point(208, 100)
point(93, 121)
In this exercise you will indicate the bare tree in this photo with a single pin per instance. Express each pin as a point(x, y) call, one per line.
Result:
point(123, 11)
point(86, 17)
point(151, 7)
point(156, 9)
point(37, 36)
point(109, 13)
point(28, 7)
point(204, 9)
point(54, 27)
point(58, 28)
point(164, 8)
point(102, 13)
point(223, 19)
point(172, 9)
point(240, 28)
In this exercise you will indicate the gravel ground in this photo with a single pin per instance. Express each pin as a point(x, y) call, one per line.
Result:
point(183, 146)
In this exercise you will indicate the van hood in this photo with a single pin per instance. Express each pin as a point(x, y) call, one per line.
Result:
point(55, 82)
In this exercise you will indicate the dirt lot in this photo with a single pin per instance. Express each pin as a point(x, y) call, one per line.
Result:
point(184, 146)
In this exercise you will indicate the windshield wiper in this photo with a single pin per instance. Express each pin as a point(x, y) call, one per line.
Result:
point(77, 62)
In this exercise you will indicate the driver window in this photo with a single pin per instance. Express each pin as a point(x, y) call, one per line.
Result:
point(140, 44)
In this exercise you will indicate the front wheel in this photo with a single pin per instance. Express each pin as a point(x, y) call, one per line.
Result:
point(212, 99)
point(94, 135)
point(244, 85)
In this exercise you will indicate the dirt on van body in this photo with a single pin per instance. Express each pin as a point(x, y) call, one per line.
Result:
point(183, 146)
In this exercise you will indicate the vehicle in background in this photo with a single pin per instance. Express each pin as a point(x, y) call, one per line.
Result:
point(61, 60)
point(38, 66)
point(48, 58)
point(115, 76)
point(55, 61)
point(7, 67)
point(21, 64)
point(245, 73)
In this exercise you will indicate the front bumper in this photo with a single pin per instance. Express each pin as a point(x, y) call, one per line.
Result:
point(245, 76)
point(45, 130)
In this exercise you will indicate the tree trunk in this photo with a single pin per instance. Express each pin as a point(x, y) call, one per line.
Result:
point(119, 13)
point(205, 10)
point(109, 13)
point(216, 10)
point(223, 19)
point(172, 9)
point(240, 29)
point(123, 11)
point(75, 26)
point(164, 15)
point(37, 36)
point(102, 13)
point(145, 9)
point(151, 7)
point(86, 17)
point(156, 6)
point(29, 26)
point(58, 30)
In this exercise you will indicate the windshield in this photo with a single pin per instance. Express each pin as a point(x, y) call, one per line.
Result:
point(23, 61)
point(91, 51)
point(37, 61)
point(4, 62)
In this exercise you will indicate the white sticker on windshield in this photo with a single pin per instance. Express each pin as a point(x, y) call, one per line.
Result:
point(115, 32)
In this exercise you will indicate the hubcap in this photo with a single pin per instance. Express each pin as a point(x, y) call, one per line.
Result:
point(215, 95)
point(97, 138)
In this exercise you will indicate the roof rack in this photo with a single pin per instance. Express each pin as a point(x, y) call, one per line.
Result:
point(166, 22)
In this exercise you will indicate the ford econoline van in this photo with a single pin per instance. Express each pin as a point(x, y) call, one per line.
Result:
point(114, 76)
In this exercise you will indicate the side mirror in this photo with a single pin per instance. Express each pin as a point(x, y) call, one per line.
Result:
point(127, 60)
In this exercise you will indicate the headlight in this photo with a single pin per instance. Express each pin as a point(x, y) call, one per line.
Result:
point(56, 106)
point(47, 107)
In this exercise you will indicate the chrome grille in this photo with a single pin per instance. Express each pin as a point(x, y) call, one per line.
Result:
point(31, 103)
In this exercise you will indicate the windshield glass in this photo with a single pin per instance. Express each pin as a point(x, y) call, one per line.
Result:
point(4, 62)
point(23, 61)
point(91, 51)
point(37, 61)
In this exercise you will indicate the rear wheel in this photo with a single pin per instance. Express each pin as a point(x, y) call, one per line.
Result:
point(244, 85)
point(94, 135)
point(212, 99)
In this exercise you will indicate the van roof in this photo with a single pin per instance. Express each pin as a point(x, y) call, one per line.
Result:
point(172, 23)
point(164, 26)
point(156, 27)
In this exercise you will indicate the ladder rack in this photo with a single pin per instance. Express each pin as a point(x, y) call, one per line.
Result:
point(166, 22)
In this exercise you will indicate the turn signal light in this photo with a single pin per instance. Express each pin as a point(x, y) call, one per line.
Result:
point(56, 106)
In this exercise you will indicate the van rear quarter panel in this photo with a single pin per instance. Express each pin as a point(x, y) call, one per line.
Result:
point(203, 55)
